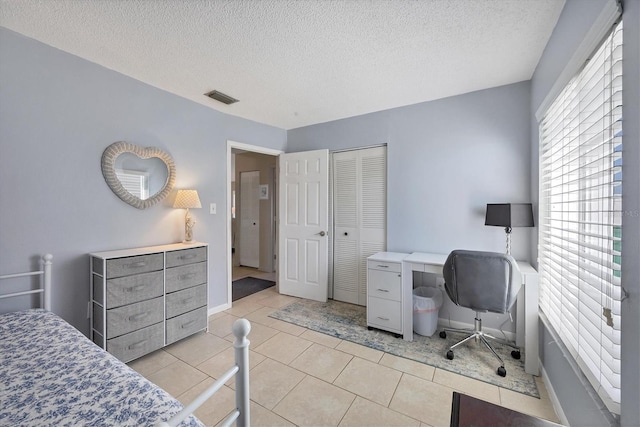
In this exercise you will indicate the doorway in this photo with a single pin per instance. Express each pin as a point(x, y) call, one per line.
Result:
point(256, 247)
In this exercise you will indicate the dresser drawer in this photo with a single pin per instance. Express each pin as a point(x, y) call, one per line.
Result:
point(187, 324)
point(186, 300)
point(135, 344)
point(136, 288)
point(186, 256)
point(128, 318)
point(384, 284)
point(384, 314)
point(186, 276)
point(384, 266)
point(118, 267)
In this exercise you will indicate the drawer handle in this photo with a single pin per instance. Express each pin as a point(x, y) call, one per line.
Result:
point(187, 276)
point(136, 264)
point(188, 256)
point(137, 345)
point(383, 318)
point(186, 300)
point(135, 288)
point(139, 316)
point(188, 324)
point(383, 266)
point(383, 290)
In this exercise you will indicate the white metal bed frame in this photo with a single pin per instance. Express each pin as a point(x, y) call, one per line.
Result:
point(241, 327)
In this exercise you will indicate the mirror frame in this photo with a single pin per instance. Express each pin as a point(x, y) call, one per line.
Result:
point(109, 157)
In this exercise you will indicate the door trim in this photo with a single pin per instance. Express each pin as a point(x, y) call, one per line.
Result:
point(254, 149)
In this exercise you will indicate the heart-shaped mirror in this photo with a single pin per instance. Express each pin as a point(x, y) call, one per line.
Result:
point(140, 176)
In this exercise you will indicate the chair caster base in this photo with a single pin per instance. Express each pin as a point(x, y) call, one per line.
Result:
point(502, 372)
point(516, 354)
point(450, 354)
point(443, 334)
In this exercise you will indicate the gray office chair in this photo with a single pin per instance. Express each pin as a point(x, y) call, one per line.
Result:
point(482, 281)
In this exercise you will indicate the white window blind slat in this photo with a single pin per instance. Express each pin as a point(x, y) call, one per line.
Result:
point(580, 219)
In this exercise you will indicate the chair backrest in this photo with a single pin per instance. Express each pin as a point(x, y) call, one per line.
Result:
point(482, 281)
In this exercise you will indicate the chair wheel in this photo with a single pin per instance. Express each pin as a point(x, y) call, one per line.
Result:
point(443, 334)
point(515, 354)
point(502, 372)
point(450, 354)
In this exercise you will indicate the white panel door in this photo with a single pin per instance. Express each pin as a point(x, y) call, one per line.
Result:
point(249, 250)
point(359, 209)
point(303, 224)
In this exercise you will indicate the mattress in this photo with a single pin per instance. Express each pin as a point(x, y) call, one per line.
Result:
point(52, 375)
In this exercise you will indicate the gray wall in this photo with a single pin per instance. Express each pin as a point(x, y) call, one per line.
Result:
point(578, 402)
point(446, 160)
point(57, 114)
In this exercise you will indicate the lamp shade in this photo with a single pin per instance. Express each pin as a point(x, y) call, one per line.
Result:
point(509, 214)
point(187, 199)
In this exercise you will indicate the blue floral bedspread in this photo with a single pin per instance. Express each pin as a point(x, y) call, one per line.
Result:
point(52, 375)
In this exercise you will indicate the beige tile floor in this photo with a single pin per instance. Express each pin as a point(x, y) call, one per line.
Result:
point(299, 377)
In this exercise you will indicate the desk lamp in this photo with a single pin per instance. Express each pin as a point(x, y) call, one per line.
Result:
point(187, 199)
point(509, 215)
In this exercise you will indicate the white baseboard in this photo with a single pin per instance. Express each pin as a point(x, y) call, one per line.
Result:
point(446, 323)
point(552, 396)
point(218, 309)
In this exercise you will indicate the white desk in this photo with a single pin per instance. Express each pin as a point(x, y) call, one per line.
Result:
point(527, 303)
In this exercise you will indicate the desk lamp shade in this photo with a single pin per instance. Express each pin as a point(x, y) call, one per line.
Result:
point(187, 199)
point(509, 215)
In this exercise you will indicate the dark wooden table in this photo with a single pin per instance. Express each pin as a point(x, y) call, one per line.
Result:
point(467, 411)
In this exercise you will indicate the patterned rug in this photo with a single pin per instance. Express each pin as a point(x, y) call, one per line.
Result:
point(349, 322)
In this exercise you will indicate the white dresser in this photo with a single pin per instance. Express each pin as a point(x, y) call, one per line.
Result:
point(143, 299)
point(384, 292)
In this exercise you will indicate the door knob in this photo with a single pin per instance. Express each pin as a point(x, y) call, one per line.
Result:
point(322, 233)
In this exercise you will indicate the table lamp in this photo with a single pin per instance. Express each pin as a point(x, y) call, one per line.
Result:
point(187, 199)
point(509, 215)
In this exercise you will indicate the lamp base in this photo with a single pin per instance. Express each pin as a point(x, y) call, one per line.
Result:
point(190, 242)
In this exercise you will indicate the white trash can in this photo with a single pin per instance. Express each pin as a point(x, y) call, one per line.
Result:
point(426, 305)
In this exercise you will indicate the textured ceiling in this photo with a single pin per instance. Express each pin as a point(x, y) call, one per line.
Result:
point(294, 63)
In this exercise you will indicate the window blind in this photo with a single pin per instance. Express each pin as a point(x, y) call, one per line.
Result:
point(580, 225)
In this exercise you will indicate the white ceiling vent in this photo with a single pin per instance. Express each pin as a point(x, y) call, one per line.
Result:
point(219, 96)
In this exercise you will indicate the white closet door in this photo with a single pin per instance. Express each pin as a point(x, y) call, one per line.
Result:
point(249, 219)
point(359, 219)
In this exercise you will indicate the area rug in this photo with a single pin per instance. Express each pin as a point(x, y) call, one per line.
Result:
point(349, 322)
point(248, 285)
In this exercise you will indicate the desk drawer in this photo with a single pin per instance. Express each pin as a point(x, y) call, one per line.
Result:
point(128, 318)
point(186, 276)
point(384, 314)
point(384, 284)
point(187, 324)
point(118, 267)
point(384, 266)
point(138, 343)
point(186, 300)
point(186, 256)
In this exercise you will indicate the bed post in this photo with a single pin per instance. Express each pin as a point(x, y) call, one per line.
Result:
point(46, 280)
point(241, 328)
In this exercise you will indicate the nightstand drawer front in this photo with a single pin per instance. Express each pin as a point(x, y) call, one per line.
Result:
point(187, 324)
point(127, 319)
point(186, 276)
point(384, 284)
point(135, 344)
point(384, 314)
point(186, 300)
point(118, 267)
point(186, 256)
point(131, 289)
point(384, 266)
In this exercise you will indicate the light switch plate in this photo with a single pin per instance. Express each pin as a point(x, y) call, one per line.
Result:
point(212, 208)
